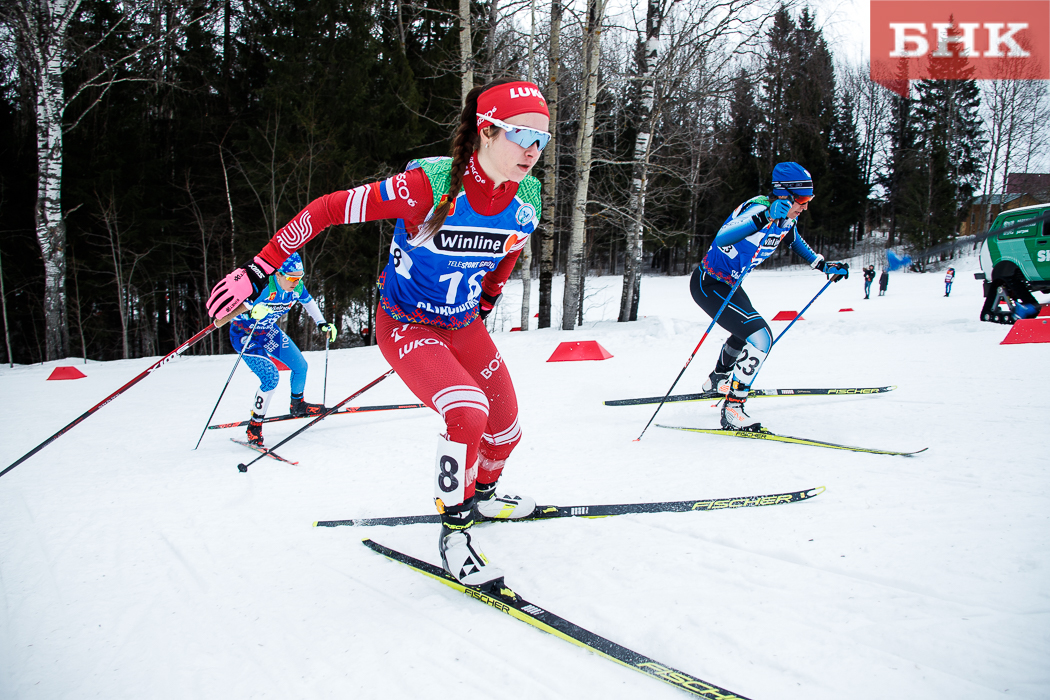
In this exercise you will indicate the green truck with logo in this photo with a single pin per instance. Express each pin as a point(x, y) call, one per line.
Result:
point(1015, 262)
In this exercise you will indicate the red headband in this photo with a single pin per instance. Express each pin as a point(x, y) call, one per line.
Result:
point(510, 99)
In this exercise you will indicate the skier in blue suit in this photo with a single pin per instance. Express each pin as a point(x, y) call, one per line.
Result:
point(750, 235)
point(268, 342)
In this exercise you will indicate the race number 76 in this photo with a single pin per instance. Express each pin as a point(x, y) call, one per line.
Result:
point(454, 278)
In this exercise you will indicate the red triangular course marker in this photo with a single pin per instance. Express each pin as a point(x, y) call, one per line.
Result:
point(787, 316)
point(66, 373)
point(579, 350)
point(281, 367)
point(841, 310)
point(1028, 330)
point(1045, 311)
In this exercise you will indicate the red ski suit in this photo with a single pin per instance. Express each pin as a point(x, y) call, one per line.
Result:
point(457, 372)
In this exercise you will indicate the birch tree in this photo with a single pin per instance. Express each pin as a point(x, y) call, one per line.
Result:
point(575, 263)
point(526, 253)
point(43, 32)
point(466, 53)
point(647, 60)
point(550, 172)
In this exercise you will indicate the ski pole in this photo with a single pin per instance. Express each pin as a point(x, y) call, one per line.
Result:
point(247, 342)
point(797, 317)
point(324, 392)
point(714, 320)
point(218, 323)
point(244, 467)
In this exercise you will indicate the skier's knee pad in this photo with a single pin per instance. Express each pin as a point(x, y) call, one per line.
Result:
point(750, 361)
point(262, 401)
point(453, 478)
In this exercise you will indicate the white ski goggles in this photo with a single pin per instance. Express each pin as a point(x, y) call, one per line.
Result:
point(524, 136)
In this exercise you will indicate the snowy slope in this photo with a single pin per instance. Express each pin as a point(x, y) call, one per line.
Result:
point(132, 566)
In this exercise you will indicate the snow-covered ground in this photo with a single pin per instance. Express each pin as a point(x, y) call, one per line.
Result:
point(132, 566)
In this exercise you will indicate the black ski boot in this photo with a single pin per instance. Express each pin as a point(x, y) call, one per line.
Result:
point(255, 432)
point(301, 409)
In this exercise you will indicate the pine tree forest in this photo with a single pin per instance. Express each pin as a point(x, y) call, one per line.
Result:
point(148, 147)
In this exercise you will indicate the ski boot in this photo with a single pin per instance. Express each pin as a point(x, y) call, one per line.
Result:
point(302, 409)
point(255, 431)
point(718, 382)
point(458, 555)
point(489, 506)
point(734, 417)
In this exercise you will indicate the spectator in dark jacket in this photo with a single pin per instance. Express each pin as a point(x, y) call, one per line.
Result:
point(884, 281)
point(869, 277)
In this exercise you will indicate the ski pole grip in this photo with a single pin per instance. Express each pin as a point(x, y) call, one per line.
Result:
point(220, 322)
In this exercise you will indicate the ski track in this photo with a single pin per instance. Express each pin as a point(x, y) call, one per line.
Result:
point(133, 566)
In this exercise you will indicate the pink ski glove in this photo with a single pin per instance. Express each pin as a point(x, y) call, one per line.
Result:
point(238, 286)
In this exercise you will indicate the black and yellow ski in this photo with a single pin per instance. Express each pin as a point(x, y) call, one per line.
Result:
point(509, 602)
point(603, 511)
point(763, 434)
point(755, 393)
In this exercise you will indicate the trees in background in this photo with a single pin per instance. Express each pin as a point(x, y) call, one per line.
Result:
point(190, 130)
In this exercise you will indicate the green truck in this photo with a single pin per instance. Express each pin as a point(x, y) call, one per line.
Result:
point(1015, 263)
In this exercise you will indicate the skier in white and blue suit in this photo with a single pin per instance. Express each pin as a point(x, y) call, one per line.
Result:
point(283, 290)
point(750, 235)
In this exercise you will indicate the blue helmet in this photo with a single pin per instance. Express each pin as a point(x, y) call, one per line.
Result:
point(791, 179)
point(293, 266)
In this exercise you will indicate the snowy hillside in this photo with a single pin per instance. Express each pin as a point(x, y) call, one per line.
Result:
point(132, 566)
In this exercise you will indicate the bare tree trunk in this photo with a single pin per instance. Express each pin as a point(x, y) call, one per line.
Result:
point(632, 278)
point(109, 216)
point(490, 41)
point(526, 253)
point(466, 53)
point(550, 175)
point(575, 265)
point(3, 303)
point(46, 30)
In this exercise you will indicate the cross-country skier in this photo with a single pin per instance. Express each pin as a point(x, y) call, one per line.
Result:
point(462, 222)
point(948, 281)
point(274, 298)
point(750, 235)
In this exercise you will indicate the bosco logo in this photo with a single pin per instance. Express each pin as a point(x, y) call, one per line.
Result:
point(492, 367)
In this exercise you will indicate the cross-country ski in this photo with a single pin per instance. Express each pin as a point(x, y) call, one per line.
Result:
point(262, 450)
point(603, 510)
point(507, 601)
point(340, 412)
point(763, 434)
point(755, 393)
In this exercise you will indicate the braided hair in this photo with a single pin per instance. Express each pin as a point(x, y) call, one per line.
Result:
point(464, 143)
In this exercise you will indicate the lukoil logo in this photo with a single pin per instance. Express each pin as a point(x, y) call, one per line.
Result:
point(964, 40)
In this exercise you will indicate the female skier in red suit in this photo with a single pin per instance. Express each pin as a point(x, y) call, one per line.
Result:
point(462, 222)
